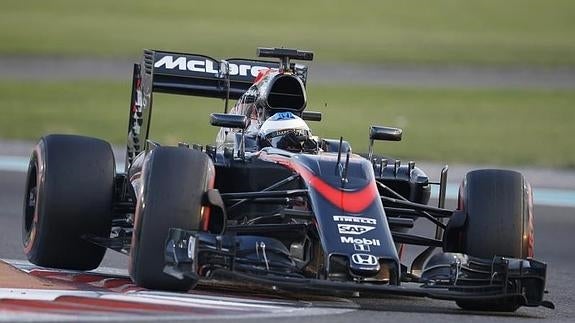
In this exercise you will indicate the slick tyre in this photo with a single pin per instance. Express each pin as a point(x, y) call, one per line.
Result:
point(69, 192)
point(498, 205)
point(174, 181)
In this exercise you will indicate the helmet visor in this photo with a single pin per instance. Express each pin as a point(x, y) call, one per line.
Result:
point(288, 139)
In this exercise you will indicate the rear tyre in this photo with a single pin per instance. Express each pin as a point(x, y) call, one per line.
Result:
point(174, 181)
point(498, 205)
point(69, 192)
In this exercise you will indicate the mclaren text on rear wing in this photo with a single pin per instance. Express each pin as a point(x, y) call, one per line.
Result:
point(192, 74)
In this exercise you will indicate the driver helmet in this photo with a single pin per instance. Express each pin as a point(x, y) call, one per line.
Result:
point(286, 131)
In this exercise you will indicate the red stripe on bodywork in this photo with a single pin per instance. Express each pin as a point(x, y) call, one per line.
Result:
point(261, 75)
point(348, 201)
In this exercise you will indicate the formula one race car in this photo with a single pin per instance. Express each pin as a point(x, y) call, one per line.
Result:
point(272, 205)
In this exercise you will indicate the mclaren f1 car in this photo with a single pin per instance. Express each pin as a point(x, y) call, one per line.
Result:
point(271, 204)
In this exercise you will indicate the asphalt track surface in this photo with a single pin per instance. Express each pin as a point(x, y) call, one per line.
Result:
point(554, 244)
point(54, 68)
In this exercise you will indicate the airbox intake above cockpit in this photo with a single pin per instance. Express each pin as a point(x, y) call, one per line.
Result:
point(285, 92)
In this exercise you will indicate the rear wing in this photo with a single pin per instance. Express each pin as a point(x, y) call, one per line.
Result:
point(199, 75)
point(187, 74)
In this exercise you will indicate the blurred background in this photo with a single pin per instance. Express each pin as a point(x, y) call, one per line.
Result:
point(483, 82)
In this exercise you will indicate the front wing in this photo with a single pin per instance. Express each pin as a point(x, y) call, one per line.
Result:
point(501, 281)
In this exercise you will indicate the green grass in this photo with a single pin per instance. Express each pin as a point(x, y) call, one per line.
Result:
point(509, 127)
point(373, 31)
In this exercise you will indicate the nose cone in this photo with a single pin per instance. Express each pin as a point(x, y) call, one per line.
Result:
point(364, 264)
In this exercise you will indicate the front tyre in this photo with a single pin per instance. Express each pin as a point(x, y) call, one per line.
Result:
point(174, 181)
point(498, 204)
point(499, 209)
point(69, 192)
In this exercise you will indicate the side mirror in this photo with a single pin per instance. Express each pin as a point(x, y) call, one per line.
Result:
point(382, 133)
point(311, 115)
point(237, 121)
point(385, 133)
